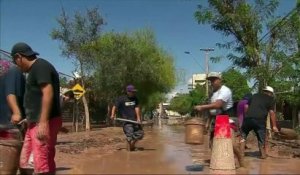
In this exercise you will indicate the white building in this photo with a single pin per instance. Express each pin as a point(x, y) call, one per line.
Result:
point(197, 79)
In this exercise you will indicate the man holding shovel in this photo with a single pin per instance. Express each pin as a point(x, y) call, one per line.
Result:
point(128, 107)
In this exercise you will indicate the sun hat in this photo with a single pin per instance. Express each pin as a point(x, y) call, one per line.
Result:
point(214, 75)
point(269, 89)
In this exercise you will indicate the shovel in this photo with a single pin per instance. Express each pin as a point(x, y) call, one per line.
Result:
point(126, 120)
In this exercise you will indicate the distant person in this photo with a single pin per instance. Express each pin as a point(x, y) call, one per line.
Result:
point(242, 108)
point(66, 96)
point(42, 109)
point(128, 107)
point(260, 105)
point(220, 103)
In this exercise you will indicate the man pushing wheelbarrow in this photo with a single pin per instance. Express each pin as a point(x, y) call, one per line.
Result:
point(128, 107)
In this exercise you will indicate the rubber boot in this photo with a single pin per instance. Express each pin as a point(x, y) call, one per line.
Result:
point(240, 157)
point(263, 154)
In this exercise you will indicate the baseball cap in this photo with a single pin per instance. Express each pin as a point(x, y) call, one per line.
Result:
point(130, 88)
point(269, 88)
point(214, 75)
point(22, 48)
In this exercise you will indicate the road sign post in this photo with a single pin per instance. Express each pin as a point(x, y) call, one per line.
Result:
point(78, 91)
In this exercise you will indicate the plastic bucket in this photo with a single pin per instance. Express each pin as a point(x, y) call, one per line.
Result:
point(194, 131)
point(10, 148)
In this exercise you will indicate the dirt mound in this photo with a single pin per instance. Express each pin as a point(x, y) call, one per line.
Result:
point(75, 143)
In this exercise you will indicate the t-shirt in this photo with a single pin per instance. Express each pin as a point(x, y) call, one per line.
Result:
point(259, 106)
point(12, 82)
point(224, 94)
point(41, 72)
point(126, 106)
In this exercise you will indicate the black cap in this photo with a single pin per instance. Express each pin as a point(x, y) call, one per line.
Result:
point(22, 48)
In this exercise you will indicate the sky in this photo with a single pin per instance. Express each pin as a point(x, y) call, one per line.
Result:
point(173, 22)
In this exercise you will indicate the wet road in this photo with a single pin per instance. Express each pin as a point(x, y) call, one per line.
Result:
point(163, 151)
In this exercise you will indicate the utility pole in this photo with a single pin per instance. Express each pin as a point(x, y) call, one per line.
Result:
point(207, 50)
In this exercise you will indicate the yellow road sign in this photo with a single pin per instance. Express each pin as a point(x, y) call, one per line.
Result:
point(78, 91)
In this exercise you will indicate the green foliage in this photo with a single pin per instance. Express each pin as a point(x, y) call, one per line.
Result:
point(74, 33)
point(131, 58)
point(242, 22)
point(63, 81)
point(184, 103)
point(271, 59)
point(181, 104)
point(198, 95)
point(237, 83)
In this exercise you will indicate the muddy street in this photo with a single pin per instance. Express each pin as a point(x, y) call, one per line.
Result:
point(162, 151)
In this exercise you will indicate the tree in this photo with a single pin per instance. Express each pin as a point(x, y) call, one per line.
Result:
point(198, 95)
point(243, 22)
point(237, 82)
point(75, 32)
point(271, 59)
point(182, 104)
point(131, 58)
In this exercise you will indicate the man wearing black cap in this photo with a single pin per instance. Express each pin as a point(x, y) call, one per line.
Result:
point(128, 107)
point(42, 108)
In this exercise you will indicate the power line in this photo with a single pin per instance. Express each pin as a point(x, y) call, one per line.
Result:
point(189, 53)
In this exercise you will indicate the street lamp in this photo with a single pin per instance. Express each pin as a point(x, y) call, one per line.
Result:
point(207, 50)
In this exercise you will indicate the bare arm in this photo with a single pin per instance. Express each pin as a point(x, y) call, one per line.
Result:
point(138, 113)
point(47, 98)
point(273, 120)
point(113, 112)
point(13, 105)
point(43, 125)
point(215, 105)
point(246, 108)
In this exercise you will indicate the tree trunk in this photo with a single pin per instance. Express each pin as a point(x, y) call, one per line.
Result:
point(87, 114)
point(85, 103)
point(294, 116)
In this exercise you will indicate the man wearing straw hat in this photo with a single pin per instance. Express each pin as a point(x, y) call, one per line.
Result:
point(260, 105)
point(220, 103)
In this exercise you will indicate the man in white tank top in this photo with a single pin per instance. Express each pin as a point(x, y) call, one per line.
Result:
point(220, 103)
point(221, 99)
